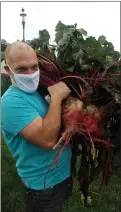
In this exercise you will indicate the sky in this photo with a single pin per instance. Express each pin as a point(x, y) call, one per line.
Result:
point(97, 18)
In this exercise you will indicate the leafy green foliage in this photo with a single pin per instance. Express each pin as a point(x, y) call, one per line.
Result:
point(2, 56)
point(5, 83)
point(76, 51)
point(60, 29)
point(4, 44)
point(44, 37)
point(41, 45)
point(34, 43)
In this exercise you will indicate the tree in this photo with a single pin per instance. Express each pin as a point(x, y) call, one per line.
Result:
point(4, 44)
point(41, 44)
point(44, 37)
point(34, 43)
point(60, 29)
point(76, 51)
point(2, 56)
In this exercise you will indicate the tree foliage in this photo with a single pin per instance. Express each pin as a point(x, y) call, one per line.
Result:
point(5, 83)
point(41, 45)
point(4, 44)
point(77, 51)
point(2, 56)
point(60, 29)
point(44, 37)
point(74, 51)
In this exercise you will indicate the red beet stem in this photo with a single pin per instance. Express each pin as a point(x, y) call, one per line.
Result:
point(104, 142)
point(57, 70)
point(74, 77)
point(106, 70)
point(75, 91)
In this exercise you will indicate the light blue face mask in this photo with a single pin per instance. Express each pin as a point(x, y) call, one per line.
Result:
point(26, 82)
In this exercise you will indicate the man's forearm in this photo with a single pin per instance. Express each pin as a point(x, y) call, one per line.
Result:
point(52, 121)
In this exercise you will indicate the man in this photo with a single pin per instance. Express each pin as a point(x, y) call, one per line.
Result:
point(30, 128)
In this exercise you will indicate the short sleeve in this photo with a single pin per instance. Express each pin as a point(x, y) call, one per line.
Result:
point(16, 113)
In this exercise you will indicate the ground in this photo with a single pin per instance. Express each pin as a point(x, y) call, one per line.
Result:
point(107, 200)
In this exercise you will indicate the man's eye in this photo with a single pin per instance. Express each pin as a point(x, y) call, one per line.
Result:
point(23, 68)
point(35, 67)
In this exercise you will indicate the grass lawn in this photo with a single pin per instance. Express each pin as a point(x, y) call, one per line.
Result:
point(107, 201)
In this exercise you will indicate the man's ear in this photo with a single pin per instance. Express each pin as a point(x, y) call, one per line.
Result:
point(7, 69)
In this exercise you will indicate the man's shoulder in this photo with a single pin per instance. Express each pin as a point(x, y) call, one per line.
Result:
point(13, 98)
point(11, 95)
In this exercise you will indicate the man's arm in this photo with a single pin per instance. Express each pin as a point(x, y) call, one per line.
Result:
point(44, 132)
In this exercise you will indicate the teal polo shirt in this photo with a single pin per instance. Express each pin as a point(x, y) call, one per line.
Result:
point(32, 162)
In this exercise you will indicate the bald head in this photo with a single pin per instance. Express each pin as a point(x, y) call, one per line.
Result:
point(17, 49)
point(20, 57)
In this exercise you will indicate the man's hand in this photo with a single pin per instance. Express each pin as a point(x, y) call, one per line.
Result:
point(44, 131)
point(59, 91)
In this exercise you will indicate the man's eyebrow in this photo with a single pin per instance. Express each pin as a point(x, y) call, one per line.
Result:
point(26, 67)
point(21, 67)
point(36, 64)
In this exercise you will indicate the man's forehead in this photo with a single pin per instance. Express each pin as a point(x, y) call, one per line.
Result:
point(27, 64)
point(24, 55)
point(20, 52)
point(24, 59)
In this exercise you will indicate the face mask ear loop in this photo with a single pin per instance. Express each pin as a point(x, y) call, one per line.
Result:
point(12, 79)
point(17, 79)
